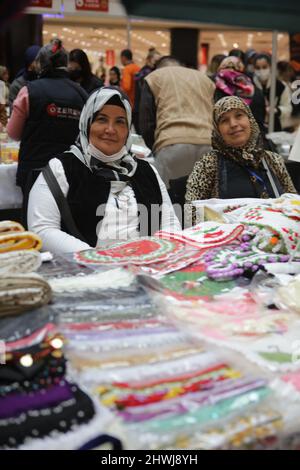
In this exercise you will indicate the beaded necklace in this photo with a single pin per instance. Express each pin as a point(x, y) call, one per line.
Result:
point(238, 259)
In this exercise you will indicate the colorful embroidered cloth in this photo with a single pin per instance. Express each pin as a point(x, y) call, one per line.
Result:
point(273, 224)
point(268, 337)
point(144, 250)
point(206, 234)
point(192, 283)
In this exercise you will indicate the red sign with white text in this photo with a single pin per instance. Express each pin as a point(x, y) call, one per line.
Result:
point(91, 5)
point(41, 3)
point(110, 57)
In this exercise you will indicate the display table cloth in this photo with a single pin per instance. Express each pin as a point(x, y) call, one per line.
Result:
point(10, 194)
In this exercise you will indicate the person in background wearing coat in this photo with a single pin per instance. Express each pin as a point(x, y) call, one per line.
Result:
point(262, 79)
point(80, 71)
point(129, 71)
point(27, 74)
point(151, 59)
point(231, 80)
point(176, 117)
point(45, 113)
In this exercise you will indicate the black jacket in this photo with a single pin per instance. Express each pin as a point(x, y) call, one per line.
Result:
point(91, 84)
point(88, 191)
point(55, 105)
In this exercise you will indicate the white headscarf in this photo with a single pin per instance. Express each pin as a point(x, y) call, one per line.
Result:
point(83, 150)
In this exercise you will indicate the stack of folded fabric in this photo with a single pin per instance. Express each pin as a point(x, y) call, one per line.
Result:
point(106, 321)
point(39, 407)
point(21, 292)
point(164, 388)
point(199, 401)
point(17, 262)
point(14, 237)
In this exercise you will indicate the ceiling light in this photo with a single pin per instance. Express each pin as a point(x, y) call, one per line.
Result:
point(235, 45)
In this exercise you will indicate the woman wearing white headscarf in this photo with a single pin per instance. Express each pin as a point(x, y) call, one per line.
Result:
point(112, 195)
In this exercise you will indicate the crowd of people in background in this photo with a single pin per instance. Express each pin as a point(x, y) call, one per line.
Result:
point(207, 130)
point(245, 74)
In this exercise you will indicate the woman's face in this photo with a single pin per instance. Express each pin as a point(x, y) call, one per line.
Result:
point(109, 130)
point(234, 127)
point(75, 71)
point(113, 77)
point(262, 70)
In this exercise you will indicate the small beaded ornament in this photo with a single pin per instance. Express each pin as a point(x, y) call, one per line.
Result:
point(238, 259)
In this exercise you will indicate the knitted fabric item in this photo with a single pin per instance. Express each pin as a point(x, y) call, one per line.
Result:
point(275, 226)
point(11, 241)
point(10, 226)
point(23, 261)
point(23, 292)
point(206, 234)
point(17, 379)
point(145, 250)
point(41, 423)
point(16, 403)
point(19, 327)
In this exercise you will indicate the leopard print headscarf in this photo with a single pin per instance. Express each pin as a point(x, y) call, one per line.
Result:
point(253, 152)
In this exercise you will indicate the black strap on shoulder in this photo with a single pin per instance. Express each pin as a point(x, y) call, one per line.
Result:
point(62, 203)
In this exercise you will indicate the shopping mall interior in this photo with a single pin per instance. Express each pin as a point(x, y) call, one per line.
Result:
point(104, 38)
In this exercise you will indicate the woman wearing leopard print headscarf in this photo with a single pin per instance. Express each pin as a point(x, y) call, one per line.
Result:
point(238, 166)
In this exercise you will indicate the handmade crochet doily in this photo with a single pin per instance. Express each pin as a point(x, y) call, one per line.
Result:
point(144, 250)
